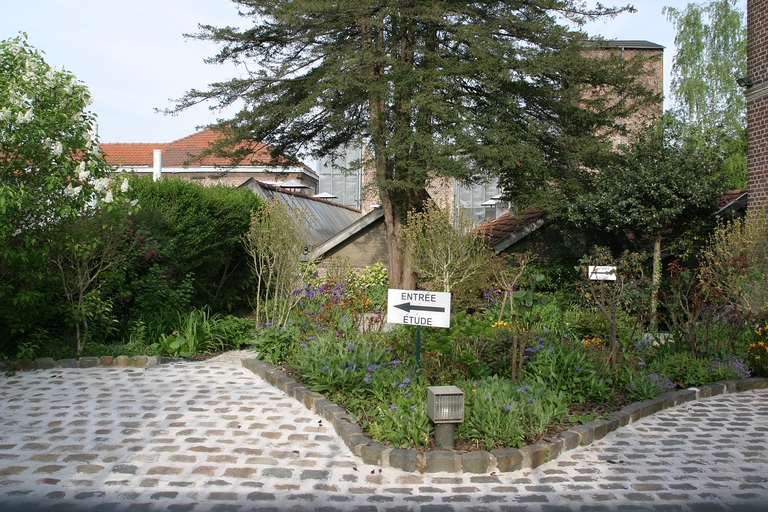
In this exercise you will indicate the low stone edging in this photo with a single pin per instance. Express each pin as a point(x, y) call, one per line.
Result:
point(481, 461)
point(47, 363)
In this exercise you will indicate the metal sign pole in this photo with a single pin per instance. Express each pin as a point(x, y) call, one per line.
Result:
point(418, 348)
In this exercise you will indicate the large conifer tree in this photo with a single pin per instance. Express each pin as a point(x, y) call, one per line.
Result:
point(434, 88)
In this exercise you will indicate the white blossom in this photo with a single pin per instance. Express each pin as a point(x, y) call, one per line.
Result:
point(82, 173)
point(5, 114)
point(57, 148)
point(134, 202)
point(124, 186)
point(108, 198)
point(24, 117)
point(71, 191)
point(101, 185)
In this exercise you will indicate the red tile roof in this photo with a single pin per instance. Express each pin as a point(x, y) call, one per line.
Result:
point(176, 153)
point(729, 197)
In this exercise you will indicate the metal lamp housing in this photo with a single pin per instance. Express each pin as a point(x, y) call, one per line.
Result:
point(445, 404)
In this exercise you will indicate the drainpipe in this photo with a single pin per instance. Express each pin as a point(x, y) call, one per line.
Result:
point(157, 167)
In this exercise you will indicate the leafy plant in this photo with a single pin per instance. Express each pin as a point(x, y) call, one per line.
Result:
point(275, 343)
point(700, 314)
point(277, 239)
point(444, 251)
point(647, 385)
point(758, 350)
point(559, 366)
point(500, 413)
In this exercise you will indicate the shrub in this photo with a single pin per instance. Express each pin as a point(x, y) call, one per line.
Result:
point(196, 230)
point(647, 385)
point(557, 365)
point(275, 241)
point(499, 413)
point(758, 350)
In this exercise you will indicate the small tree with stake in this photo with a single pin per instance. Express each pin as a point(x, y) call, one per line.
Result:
point(653, 189)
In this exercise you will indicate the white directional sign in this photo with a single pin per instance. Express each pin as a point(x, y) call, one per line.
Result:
point(410, 307)
point(604, 273)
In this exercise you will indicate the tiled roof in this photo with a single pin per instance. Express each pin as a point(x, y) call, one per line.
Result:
point(176, 153)
point(729, 197)
point(510, 224)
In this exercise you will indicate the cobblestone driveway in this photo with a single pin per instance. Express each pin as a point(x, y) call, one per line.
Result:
point(213, 436)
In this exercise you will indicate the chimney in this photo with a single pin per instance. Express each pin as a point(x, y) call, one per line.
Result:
point(157, 167)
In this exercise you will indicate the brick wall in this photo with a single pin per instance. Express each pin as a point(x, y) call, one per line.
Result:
point(757, 102)
point(362, 250)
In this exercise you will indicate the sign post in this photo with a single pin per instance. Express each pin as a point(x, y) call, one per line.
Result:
point(419, 308)
point(602, 273)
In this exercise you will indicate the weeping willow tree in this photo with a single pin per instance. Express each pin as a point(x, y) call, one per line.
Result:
point(711, 44)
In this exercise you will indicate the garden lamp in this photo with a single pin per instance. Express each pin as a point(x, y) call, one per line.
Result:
point(445, 407)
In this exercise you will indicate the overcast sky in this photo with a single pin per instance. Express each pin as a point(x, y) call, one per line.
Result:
point(133, 57)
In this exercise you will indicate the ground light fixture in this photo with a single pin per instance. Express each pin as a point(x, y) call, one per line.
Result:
point(445, 407)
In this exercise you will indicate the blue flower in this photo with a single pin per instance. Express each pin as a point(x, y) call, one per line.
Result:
point(395, 362)
point(531, 399)
point(578, 368)
point(507, 408)
point(387, 349)
point(413, 407)
point(408, 395)
point(268, 324)
point(640, 363)
point(393, 407)
point(310, 338)
point(487, 397)
point(351, 364)
point(303, 344)
point(344, 319)
point(367, 377)
point(351, 346)
point(371, 367)
point(326, 368)
point(406, 381)
point(523, 389)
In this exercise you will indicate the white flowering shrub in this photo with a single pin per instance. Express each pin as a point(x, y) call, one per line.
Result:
point(49, 154)
point(51, 175)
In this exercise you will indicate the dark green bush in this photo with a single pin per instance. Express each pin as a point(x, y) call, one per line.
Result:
point(196, 231)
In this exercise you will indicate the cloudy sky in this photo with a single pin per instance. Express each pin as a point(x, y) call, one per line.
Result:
point(134, 58)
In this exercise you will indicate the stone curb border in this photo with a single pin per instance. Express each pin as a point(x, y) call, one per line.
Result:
point(481, 461)
point(47, 363)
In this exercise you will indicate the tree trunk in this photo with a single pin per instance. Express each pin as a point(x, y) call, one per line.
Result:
point(395, 206)
point(655, 282)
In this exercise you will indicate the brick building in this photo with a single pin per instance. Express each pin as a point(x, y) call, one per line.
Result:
point(757, 102)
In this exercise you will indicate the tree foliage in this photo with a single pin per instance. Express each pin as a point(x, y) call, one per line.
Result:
point(434, 88)
point(711, 45)
point(657, 186)
point(443, 253)
point(50, 170)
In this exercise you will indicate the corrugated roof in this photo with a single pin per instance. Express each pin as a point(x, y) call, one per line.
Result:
point(328, 218)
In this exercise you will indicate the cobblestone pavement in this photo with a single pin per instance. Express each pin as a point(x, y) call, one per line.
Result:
point(213, 436)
